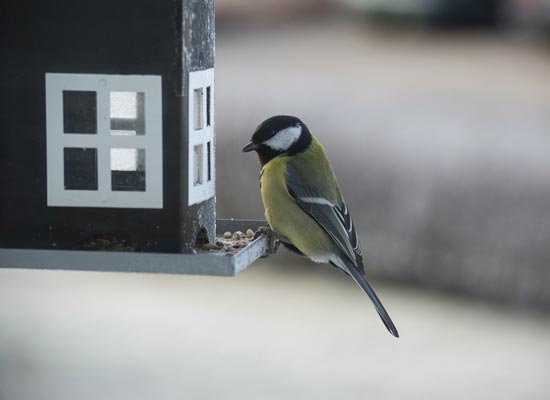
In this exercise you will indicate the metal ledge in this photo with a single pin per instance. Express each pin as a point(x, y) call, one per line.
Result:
point(212, 263)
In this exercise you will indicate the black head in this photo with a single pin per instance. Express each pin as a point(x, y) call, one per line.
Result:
point(282, 135)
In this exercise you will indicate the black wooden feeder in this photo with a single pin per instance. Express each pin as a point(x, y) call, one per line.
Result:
point(107, 138)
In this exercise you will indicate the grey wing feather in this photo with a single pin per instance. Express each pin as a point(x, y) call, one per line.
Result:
point(337, 223)
point(345, 217)
point(333, 218)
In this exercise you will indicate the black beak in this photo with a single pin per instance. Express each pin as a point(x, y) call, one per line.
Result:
point(249, 147)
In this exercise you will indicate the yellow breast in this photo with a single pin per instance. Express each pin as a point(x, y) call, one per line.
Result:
point(285, 217)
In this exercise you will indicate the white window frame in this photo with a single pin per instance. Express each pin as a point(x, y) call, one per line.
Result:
point(103, 141)
point(207, 189)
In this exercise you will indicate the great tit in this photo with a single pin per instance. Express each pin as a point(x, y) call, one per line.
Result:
point(303, 203)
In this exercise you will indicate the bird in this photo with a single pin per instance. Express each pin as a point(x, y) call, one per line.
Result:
point(303, 204)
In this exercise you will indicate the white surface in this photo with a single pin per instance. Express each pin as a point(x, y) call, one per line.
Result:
point(198, 108)
point(103, 141)
point(273, 332)
point(123, 105)
point(127, 160)
point(201, 136)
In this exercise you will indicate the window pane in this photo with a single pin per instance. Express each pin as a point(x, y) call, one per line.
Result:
point(197, 99)
point(79, 112)
point(80, 168)
point(197, 165)
point(127, 113)
point(209, 161)
point(208, 106)
point(128, 170)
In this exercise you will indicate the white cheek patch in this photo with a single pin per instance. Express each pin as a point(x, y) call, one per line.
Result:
point(284, 139)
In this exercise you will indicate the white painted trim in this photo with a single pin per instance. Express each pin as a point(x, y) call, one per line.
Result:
point(103, 141)
point(206, 190)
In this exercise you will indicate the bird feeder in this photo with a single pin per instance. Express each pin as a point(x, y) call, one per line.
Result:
point(107, 138)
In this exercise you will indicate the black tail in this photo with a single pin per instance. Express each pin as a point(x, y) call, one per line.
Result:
point(362, 281)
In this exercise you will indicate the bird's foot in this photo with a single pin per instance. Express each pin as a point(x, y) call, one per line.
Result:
point(264, 230)
point(273, 239)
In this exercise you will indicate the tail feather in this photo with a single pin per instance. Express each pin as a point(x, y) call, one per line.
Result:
point(362, 281)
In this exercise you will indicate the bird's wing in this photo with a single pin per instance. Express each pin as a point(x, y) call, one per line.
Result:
point(335, 219)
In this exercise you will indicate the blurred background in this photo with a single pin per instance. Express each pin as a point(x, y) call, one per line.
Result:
point(436, 118)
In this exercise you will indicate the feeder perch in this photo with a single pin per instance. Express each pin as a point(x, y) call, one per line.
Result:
point(108, 138)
